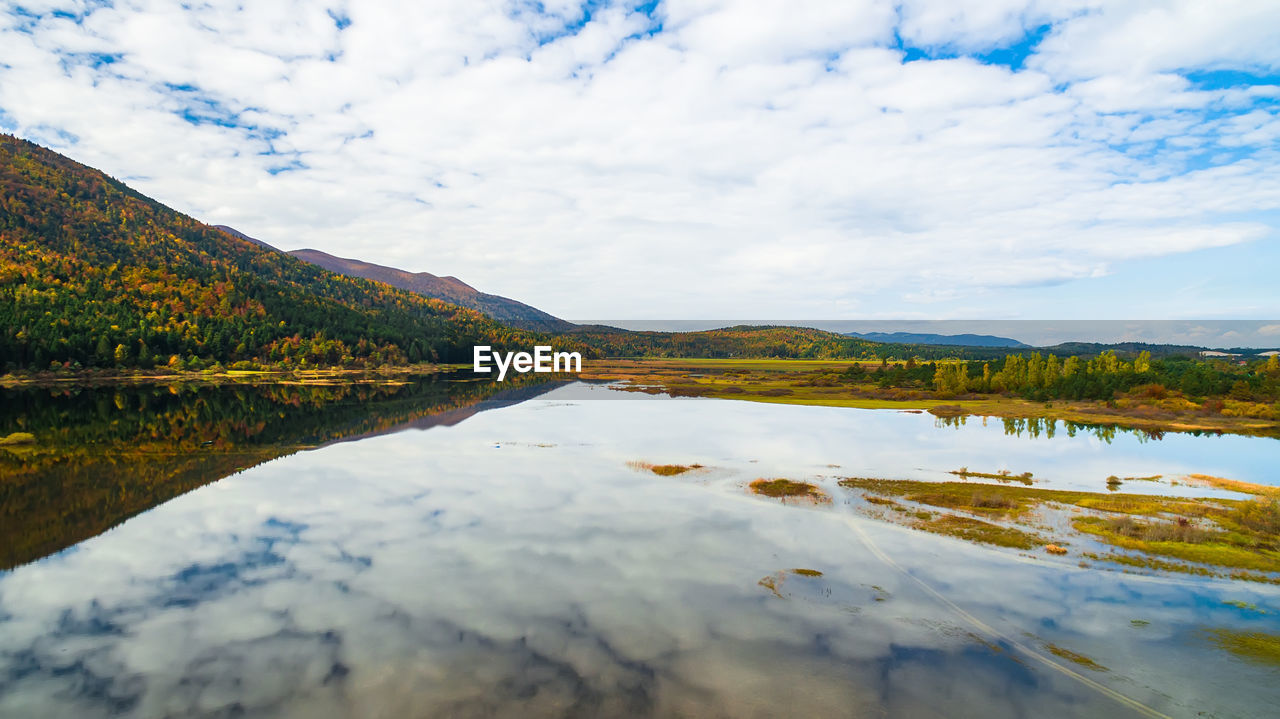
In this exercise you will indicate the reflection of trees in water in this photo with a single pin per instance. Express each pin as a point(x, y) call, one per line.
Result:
point(1036, 427)
point(105, 454)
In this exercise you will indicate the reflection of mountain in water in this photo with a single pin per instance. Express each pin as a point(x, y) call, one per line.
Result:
point(106, 454)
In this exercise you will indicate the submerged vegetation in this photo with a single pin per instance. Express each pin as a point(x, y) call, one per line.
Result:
point(1257, 647)
point(1074, 657)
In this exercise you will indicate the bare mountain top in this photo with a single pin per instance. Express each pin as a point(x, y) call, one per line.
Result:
point(450, 289)
point(237, 233)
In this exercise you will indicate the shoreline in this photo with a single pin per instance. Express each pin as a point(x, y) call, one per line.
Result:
point(106, 378)
point(776, 381)
point(784, 384)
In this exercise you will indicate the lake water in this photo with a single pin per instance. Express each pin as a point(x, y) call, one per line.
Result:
point(435, 551)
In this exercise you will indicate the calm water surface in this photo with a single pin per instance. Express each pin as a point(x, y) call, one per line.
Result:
point(507, 561)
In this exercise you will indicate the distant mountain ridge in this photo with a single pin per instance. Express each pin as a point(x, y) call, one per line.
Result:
point(917, 338)
point(449, 289)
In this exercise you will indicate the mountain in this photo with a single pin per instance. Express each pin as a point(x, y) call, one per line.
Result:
point(450, 289)
point(94, 273)
point(914, 338)
point(240, 235)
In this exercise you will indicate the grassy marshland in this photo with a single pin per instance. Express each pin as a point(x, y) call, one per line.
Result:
point(976, 530)
point(1180, 539)
point(1206, 534)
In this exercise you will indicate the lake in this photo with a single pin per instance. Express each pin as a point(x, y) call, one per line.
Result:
point(448, 548)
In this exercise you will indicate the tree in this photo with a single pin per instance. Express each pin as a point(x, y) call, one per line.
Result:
point(1142, 364)
point(951, 378)
point(103, 352)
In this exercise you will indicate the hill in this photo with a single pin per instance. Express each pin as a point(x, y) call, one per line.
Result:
point(95, 274)
point(963, 340)
point(450, 289)
point(1124, 348)
point(739, 341)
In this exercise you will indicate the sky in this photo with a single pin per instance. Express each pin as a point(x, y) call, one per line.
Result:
point(685, 159)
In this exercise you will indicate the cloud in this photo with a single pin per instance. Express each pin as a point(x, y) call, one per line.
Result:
point(635, 162)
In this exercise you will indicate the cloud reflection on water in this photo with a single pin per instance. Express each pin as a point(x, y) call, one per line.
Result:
point(468, 571)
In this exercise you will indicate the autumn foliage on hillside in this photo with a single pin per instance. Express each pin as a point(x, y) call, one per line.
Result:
point(94, 274)
point(763, 341)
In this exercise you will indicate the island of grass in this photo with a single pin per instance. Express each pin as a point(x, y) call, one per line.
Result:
point(1205, 534)
point(1003, 475)
point(664, 470)
point(786, 488)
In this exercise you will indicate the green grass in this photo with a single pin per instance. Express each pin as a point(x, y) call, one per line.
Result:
point(976, 530)
point(1002, 499)
point(1212, 548)
point(1205, 533)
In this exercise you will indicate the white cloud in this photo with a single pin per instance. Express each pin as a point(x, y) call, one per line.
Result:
point(758, 159)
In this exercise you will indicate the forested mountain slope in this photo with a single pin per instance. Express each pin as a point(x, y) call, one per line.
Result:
point(93, 272)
